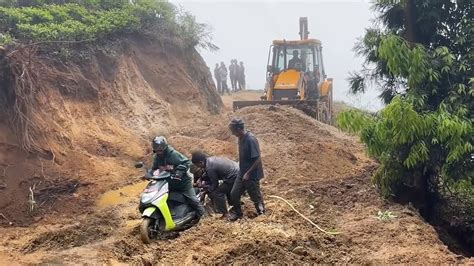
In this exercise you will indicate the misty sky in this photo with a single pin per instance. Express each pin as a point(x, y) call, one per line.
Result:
point(245, 29)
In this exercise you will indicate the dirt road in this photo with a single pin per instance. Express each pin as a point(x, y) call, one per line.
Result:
point(324, 173)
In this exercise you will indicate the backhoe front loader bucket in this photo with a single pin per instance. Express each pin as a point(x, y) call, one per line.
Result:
point(310, 107)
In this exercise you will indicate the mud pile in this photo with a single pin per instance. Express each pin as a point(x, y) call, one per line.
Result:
point(323, 173)
point(80, 233)
point(91, 115)
point(295, 147)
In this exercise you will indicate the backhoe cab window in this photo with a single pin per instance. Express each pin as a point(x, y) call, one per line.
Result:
point(280, 60)
point(298, 58)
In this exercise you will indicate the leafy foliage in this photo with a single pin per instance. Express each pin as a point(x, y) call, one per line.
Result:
point(446, 25)
point(385, 216)
point(409, 144)
point(5, 39)
point(424, 137)
point(78, 20)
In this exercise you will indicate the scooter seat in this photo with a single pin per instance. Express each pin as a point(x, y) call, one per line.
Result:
point(176, 196)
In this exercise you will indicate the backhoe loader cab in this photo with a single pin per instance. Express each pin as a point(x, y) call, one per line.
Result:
point(294, 70)
point(281, 52)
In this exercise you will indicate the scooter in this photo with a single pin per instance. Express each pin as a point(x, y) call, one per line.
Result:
point(162, 210)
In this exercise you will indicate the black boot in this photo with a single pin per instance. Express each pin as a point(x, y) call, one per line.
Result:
point(260, 207)
point(232, 216)
point(201, 212)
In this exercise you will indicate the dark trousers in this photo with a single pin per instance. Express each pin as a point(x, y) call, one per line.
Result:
point(241, 83)
point(233, 81)
point(219, 86)
point(224, 87)
point(240, 186)
point(219, 196)
point(190, 195)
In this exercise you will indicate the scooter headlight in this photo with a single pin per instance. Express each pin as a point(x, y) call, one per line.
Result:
point(148, 197)
point(152, 193)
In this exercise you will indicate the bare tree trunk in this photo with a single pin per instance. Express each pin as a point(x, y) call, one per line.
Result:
point(410, 20)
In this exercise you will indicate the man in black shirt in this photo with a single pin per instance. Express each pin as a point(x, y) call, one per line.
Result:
point(296, 62)
point(216, 169)
point(251, 171)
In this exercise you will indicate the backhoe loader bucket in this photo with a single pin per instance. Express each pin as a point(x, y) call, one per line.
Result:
point(241, 104)
point(310, 107)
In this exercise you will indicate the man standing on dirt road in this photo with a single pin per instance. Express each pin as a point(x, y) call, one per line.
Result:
point(223, 76)
point(217, 76)
point(241, 76)
point(168, 159)
point(216, 169)
point(251, 171)
point(233, 74)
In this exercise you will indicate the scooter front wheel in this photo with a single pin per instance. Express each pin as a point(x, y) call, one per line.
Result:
point(147, 230)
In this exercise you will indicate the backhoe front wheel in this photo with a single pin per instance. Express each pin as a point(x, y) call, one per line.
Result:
point(148, 229)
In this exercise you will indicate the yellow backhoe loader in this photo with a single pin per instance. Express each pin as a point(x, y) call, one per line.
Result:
point(296, 77)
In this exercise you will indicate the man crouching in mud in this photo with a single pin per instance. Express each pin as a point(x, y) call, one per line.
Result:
point(217, 169)
point(168, 159)
point(251, 171)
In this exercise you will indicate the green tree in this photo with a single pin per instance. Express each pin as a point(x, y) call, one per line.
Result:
point(420, 56)
point(436, 24)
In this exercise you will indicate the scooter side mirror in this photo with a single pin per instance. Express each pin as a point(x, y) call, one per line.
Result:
point(139, 165)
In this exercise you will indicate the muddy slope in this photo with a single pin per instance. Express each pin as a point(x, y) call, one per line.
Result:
point(91, 115)
point(320, 171)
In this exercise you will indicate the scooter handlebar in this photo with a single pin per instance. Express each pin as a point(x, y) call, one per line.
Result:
point(157, 175)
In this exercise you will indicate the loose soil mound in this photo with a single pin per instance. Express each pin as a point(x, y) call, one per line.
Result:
point(295, 147)
point(90, 229)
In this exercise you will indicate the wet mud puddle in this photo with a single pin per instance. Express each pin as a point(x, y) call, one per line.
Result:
point(120, 196)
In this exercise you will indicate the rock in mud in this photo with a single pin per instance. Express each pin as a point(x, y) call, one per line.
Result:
point(300, 251)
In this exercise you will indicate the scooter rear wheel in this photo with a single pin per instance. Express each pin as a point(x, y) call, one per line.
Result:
point(147, 233)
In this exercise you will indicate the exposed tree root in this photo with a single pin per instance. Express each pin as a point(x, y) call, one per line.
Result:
point(19, 85)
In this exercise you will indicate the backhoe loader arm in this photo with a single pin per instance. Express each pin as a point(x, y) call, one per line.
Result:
point(304, 33)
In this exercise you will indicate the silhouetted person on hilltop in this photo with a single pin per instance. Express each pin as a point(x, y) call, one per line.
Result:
point(217, 76)
point(233, 69)
point(241, 76)
point(223, 76)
